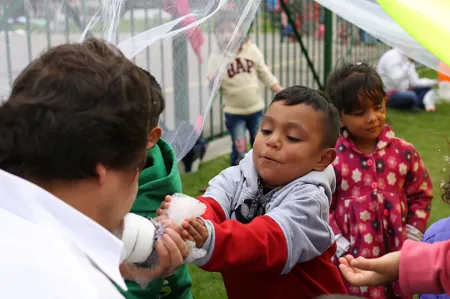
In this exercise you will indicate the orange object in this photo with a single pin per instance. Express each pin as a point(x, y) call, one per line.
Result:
point(441, 75)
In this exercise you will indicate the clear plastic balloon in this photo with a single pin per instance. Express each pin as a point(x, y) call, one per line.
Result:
point(372, 18)
point(172, 39)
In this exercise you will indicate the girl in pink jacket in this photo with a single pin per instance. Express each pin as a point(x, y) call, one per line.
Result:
point(420, 267)
point(383, 190)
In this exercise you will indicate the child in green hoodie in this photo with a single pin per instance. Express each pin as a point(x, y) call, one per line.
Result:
point(159, 178)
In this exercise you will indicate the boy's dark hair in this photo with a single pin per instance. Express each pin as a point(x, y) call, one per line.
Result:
point(156, 95)
point(349, 83)
point(317, 100)
point(73, 107)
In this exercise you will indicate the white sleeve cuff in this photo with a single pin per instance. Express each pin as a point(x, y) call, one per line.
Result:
point(343, 245)
point(413, 233)
point(209, 244)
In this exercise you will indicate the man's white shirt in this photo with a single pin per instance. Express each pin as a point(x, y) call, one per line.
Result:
point(50, 250)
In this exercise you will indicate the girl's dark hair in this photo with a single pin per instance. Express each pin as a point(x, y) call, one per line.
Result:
point(349, 83)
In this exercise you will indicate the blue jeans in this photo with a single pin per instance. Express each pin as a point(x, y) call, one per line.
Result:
point(236, 126)
point(408, 99)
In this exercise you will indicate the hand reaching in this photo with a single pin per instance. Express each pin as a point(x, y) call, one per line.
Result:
point(171, 250)
point(370, 272)
point(194, 229)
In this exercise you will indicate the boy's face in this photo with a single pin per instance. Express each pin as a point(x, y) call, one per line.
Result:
point(289, 144)
point(366, 123)
point(224, 33)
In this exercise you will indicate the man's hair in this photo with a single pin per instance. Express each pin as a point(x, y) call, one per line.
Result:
point(320, 102)
point(75, 106)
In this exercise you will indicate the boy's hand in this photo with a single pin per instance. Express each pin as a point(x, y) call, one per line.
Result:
point(370, 272)
point(194, 229)
point(164, 206)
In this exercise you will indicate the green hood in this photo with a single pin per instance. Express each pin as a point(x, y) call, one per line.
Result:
point(158, 179)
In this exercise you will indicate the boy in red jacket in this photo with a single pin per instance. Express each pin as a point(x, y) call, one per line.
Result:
point(266, 224)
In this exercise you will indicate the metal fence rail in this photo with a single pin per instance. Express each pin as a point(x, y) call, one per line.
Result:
point(298, 55)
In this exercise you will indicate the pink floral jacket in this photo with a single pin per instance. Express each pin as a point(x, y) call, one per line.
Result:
point(377, 195)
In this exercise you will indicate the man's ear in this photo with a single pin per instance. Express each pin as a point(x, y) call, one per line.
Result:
point(101, 173)
point(327, 157)
point(153, 137)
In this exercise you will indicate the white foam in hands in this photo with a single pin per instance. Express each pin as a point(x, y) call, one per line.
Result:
point(183, 206)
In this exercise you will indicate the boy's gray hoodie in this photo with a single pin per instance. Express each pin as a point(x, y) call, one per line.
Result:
point(300, 208)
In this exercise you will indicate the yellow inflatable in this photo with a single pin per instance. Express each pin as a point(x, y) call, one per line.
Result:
point(426, 21)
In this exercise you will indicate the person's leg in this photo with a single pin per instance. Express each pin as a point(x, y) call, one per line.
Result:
point(253, 121)
point(236, 127)
point(420, 92)
point(403, 100)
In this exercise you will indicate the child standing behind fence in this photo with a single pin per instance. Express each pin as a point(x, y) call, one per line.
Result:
point(243, 102)
point(383, 191)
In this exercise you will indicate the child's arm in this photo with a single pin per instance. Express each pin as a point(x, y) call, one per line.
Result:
point(264, 73)
point(417, 82)
point(295, 231)
point(419, 190)
point(212, 71)
point(421, 267)
point(222, 188)
point(424, 268)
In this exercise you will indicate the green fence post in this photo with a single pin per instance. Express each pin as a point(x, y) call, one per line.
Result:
point(328, 55)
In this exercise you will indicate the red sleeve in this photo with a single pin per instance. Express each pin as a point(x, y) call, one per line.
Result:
point(425, 268)
point(419, 191)
point(257, 246)
point(214, 211)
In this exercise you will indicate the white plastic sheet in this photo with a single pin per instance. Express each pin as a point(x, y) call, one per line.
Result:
point(371, 17)
point(172, 39)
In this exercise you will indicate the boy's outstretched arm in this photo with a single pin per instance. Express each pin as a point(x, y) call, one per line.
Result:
point(295, 231)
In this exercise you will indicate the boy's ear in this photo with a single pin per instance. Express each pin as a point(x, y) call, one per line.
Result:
point(327, 157)
point(153, 137)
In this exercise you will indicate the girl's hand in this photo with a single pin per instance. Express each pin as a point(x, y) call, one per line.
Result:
point(370, 272)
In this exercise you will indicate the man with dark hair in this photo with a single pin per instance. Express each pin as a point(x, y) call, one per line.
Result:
point(73, 138)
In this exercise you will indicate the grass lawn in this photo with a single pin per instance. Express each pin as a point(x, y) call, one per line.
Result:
point(424, 130)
